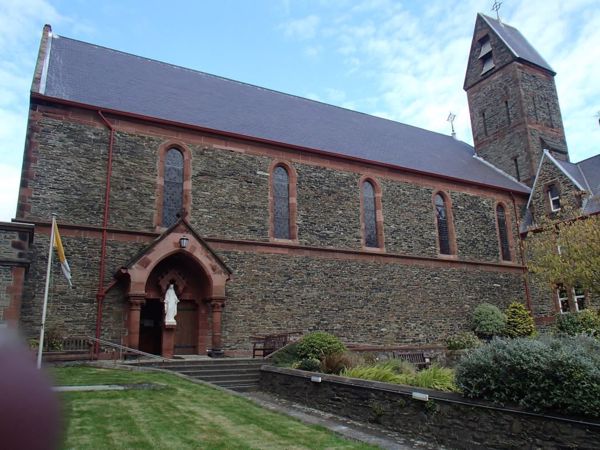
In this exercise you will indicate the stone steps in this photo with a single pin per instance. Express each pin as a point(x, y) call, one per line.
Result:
point(238, 374)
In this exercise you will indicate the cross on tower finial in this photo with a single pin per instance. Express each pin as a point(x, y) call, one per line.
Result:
point(450, 119)
point(496, 7)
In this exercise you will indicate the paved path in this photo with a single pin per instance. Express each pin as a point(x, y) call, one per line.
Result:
point(358, 431)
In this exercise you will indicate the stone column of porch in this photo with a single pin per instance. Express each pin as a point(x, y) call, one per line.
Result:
point(133, 332)
point(217, 304)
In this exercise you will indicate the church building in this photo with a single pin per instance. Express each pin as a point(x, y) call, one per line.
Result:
point(266, 212)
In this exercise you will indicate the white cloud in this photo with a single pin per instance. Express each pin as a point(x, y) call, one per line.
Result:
point(9, 191)
point(305, 28)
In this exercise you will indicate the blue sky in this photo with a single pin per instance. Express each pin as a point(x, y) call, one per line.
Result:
point(403, 60)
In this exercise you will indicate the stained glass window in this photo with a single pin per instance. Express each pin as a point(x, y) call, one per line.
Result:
point(173, 187)
point(503, 232)
point(442, 225)
point(281, 203)
point(369, 215)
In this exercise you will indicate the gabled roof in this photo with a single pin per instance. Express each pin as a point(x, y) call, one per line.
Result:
point(516, 42)
point(91, 75)
point(181, 225)
point(585, 176)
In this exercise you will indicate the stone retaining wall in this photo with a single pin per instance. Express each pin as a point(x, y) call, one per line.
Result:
point(446, 419)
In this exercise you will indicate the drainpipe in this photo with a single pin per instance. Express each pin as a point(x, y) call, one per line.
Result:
point(522, 252)
point(101, 290)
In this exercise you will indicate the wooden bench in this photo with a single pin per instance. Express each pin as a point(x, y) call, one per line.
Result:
point(418, 359)
point(263, 346)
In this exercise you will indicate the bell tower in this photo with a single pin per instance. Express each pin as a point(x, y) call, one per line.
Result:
point(513, 103)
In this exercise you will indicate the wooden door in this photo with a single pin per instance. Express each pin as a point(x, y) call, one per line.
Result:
point(151, 327)
point(186, 333)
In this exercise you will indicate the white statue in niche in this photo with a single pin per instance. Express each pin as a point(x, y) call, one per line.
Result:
point(171, 301)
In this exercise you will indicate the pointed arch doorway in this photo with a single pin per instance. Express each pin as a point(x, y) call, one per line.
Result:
point(179, 257)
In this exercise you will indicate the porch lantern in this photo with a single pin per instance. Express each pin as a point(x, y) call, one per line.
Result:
point(183, 241)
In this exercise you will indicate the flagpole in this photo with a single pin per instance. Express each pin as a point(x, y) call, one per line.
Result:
point(48, 269)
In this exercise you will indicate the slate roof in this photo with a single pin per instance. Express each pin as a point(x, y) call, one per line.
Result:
point(106, 78)
point(591, 170)
point(517, 43)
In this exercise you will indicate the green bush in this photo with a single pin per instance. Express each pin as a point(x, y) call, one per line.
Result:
point(398, 365)
point(584, 322)
point(519, 322)
point(462, 341)
point(561, 374)
point(435, 377)
point(309, 364)
point(287, 356)
point(318, 345)
point(488, 321)
point(374, 373)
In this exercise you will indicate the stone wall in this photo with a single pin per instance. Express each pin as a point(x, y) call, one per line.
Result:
point(445, 419)
point(359, 301)
point(230, 195)
point(521, 108)
point(409, 296)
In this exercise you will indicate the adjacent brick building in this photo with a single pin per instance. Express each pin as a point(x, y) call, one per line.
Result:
point(268, 212)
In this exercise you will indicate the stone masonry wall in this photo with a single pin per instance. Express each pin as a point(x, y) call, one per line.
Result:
point(230, 195)
point(360, 301)
point(395, 302)
point(14, 259)
point(444, 420)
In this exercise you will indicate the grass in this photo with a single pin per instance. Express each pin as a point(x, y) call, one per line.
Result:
point(180, 415)
point(392, 371)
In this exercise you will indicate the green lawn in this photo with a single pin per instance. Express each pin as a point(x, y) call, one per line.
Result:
point(179, 416)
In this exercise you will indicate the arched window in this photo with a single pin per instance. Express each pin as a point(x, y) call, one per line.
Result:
point(281, 203)
point(369, 210)
point(503, 233)
point(173, 187)
point(443, 225)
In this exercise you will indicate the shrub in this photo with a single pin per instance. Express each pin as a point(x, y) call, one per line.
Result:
point(560, 374)
point(488, 321)
point(462, 341)
point(287, 356)
point(337, 362)
point(434, 377)
point(309, 364)
point(584, 322)
point(519, 322)
point(318, 345)
point(374, 373)
point(399, 366)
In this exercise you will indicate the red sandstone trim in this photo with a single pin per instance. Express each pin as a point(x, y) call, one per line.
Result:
point(296, 250)
point(292, 198)
point(378, 214)
point(227, 136)
point(160, 180)
point(14, 293)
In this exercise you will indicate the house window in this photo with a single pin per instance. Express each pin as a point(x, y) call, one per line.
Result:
point(554, 197)
point(485, 55)
point(369, 210)
point(563, 299)
point(507, 109)
point(579, 298)
point(485, 128)
point(503, 233)
point(443, 225)
point(173, 187)
point(281, 203)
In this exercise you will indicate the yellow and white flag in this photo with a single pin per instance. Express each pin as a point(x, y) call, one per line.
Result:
point(64, 265)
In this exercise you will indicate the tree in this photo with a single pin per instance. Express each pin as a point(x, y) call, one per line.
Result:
point(519, 322)
point(567, 252)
